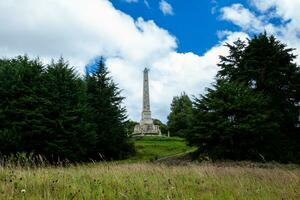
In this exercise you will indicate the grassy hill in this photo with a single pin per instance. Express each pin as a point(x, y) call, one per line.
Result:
point(153, 148)
point(138, 179)
point(121, 181)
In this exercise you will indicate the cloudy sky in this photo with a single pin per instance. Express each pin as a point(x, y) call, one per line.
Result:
point(180, 41)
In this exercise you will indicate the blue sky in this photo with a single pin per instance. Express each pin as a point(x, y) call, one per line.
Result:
point(195, 24)
point(180, 41)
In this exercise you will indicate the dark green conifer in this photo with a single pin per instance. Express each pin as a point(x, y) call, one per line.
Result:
point(108, 114)
point(180, 116)
point(253, 110)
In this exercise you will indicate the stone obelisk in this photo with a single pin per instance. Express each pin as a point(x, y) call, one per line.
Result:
point(146, 113)
point(146, 126)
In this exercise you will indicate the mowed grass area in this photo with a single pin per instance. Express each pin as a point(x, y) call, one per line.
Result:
point(150, 181)
point(152, 148)
point(137, 178)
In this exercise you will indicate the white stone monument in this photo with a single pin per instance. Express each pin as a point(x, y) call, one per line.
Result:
point(146, 126)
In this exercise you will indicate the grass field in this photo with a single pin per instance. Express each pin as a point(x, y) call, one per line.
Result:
point(145, 180)
point(153, 148)
point(149, 181)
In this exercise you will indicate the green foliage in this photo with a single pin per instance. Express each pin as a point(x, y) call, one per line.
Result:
point(266, 65)
point(68, 133)
point(21, 86)
point(163, 127)
point(231, 122)
point(51, 111)
point(180, 115)
point(253, 110)
point(129, 126)
point(108, 115)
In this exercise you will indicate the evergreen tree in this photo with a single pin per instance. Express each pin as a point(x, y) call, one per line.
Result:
point(107, 113)
point(68, 135)
point(21, 127)
point(51, 111)
point(255, 104)
point(180, 115)
point(230, 122)
point(266, 65)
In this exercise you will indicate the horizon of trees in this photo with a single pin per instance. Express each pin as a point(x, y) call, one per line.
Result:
point(252, 111)
point(49, 110)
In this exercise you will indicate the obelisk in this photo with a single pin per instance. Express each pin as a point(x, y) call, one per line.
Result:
point(146, 126)
point(146, 113)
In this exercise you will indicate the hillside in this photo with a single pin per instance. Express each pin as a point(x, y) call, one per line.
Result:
point(110, 181)
point(136, 178)
point(153, 148)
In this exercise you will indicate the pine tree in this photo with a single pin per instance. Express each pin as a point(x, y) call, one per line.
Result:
point(51, 111)
point(180, 115)
point(68, 135)
point(108, 114)
point(230, 122)
point(267, 65)
point(21, 126)
point(253, 111)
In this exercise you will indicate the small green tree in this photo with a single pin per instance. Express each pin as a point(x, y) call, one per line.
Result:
point(163, 127)
point(108, 114)
point(180, 115)
point(129, 126)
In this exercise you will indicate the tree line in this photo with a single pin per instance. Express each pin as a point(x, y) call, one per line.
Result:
point(252, 110)
point(50, 110)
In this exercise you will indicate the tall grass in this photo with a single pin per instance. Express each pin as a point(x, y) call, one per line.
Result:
point(149, 181)
point(25, 176)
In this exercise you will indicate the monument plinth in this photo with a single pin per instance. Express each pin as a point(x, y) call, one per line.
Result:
point(146, 126)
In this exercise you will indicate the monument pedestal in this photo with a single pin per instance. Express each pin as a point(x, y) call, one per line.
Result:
point(146, 126)
point(147, 130)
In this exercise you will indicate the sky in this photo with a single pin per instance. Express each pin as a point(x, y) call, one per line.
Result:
point(180, 41)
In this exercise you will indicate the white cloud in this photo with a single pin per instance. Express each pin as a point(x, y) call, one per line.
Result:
point(286, 9)
point(223, 34)
point(288, 31)
point(244, 18)
point(166, 8)
point(78, 30)
point(169, 75)
point(83, 29)
point(263, 5)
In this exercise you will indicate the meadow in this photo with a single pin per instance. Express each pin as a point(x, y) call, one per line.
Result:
point(153, 148)
point(144, 179)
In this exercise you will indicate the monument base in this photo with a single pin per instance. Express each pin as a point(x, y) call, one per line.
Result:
point(146, 130)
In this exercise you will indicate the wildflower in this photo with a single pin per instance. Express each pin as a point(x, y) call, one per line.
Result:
point(23, 191)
